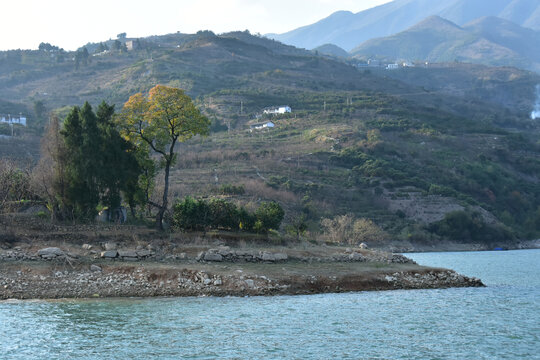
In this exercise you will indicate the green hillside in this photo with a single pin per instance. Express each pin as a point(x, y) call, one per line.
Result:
point(521, 40)
point(403, 149)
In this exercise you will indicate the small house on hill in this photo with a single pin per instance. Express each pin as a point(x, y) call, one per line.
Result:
point(8, 119)
point(277, 109)
point(263, 125)
point(132, 45)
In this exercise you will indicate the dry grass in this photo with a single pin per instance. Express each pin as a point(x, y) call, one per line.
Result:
point(258, 189)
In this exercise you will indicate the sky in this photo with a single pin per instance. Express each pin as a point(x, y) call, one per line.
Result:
point(70, 24)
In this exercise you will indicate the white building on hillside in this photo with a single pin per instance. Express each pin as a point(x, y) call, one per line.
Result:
point(8, 119)
point(263, 125)
point(132, 45)
point(277, 110)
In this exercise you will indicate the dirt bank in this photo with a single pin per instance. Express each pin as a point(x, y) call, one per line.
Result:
point(115, 261)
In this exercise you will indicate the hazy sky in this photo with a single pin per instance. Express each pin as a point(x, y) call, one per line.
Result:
point(72, 23)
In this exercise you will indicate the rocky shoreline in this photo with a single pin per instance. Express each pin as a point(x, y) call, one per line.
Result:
point(143, 282)
point(53, 273)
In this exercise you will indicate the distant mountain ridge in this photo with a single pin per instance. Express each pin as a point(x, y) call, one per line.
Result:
point(348, 30)
point(489, 40)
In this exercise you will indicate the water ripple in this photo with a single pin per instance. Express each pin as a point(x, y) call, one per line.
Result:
point(501, 321)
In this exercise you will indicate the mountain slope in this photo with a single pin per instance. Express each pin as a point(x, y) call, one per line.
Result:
point(523, 12)
point(489, 41)
point(200, 63)
point(418, 43)
point(204, 64)
point(348, 30)
point(400, 151)
point(523, 41)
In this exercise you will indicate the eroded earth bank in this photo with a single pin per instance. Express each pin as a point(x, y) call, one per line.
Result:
point(108, 270)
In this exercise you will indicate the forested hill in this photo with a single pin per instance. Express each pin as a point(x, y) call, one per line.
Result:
point(415, 151)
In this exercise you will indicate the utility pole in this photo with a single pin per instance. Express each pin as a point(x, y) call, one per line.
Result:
point(324, 105)
point(10, 122)
point(241, 107)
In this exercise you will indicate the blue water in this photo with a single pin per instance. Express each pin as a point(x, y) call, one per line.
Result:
point(501, 321)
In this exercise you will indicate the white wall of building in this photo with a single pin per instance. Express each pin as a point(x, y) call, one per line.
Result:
point(21, 120)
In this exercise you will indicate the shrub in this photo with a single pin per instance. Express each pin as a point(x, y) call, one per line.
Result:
point(191, 214)
point(337, 229)
point(466, 226)
point(8, 237)
point(367, 230)
point(276, 181)
point(223, 214)
point(201, 215)
point(229, 189)
point(441, 190)
point(297, 227)
point(269, 216)
point(347, 229)
point(14, 184)
point(246, 221)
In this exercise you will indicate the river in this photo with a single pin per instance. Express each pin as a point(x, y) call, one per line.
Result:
point(501, 321)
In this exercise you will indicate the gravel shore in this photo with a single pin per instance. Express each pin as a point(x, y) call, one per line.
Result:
point(93, 261)
point(32, 280)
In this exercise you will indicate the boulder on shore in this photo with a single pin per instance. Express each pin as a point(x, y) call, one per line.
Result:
point(110, 254)
point(127, 253)
point(212, 257)
point(95, 268)
point(51, 252)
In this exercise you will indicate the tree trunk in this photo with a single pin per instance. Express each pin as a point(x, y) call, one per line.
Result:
point(132, 209)
point(164, 203)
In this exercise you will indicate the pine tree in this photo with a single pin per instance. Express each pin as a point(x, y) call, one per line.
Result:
point(100, 163)
point(80, 134)
point(119, 166)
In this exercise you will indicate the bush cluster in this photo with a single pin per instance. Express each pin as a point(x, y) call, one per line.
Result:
point(463, 226)
point(350, 230)
point(201, 215)
point(230, 189)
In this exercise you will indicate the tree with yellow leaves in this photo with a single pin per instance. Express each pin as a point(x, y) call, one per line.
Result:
point(157, 123)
